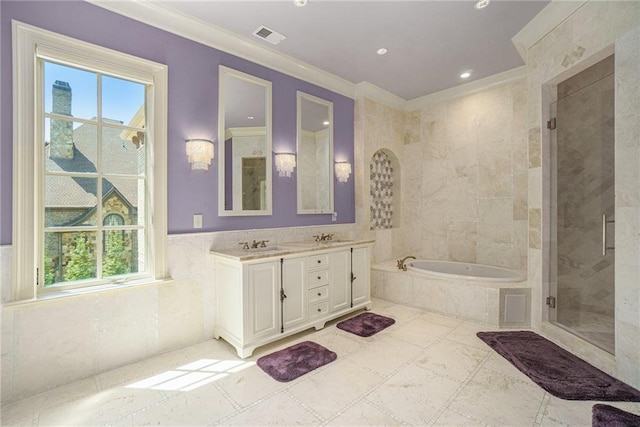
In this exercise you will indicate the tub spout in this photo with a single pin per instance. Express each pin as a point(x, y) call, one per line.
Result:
point(402, 262)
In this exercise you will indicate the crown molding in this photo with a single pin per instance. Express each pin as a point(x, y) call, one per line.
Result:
point(176, 22)
point(544, 22)
point(369, 90)
point(467, 89)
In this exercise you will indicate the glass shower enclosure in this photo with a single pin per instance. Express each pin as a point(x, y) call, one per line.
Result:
point(582, 206)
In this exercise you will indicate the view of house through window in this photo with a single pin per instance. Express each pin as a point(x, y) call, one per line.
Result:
point(93, 177)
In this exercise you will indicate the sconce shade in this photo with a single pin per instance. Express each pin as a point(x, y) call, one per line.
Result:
point(285, 163)
point(199, 153)
point(343, 170)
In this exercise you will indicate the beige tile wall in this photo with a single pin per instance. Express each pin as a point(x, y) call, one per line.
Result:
point(467, 160)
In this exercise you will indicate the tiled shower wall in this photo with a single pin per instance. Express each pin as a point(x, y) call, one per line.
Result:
point(591, 33)
point(465, 166)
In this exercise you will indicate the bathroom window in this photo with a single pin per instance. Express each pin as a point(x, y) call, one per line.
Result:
point(97, 118)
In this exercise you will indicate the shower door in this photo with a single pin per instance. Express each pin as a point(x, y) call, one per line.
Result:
point(582, 206)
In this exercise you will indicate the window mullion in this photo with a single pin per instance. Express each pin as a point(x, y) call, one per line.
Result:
point(99, 234)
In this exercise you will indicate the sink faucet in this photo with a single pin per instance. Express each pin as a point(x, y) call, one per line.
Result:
point(401, 263)
point(259, 244)
point(324, 237)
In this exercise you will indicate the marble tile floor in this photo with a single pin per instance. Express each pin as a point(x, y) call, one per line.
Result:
point(425, 370)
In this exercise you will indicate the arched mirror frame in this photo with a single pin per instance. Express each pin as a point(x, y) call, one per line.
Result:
point(301, 164)
point(222, 95)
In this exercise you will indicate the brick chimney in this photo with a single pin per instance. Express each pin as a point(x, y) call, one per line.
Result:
point(61, 144)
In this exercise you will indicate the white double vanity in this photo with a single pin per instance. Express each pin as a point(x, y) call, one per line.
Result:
point(264, 294)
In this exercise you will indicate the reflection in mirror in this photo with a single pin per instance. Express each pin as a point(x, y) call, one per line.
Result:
point(244, 123)
point(315, 155)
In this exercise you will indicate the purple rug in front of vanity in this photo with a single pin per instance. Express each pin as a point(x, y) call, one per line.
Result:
point(366, 324)
point(553, 368)
point(290, 363)
point(609, 416)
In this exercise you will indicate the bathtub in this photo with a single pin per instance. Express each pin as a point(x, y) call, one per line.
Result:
point(484, 294)
point(463, 270)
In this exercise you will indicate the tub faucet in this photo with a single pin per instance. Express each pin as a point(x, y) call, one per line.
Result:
point(401, 262)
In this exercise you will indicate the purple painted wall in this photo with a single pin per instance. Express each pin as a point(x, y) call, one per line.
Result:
point(193, 112)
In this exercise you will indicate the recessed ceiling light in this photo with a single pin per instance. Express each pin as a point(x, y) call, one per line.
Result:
point(465, 75)
point(250, 117)
point(326, 123)
point(300, 3)
point(481, 4)
point(381, 51)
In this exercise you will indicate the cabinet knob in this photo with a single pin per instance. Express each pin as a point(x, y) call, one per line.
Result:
point(319, 262)
point(319, 277)
point(319, 310)
point(319, 294)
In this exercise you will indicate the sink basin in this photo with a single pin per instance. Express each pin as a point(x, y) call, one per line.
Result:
point(267, 249)
point(335, 241)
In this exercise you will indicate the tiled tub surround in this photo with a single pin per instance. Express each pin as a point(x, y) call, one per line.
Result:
point(478, 301)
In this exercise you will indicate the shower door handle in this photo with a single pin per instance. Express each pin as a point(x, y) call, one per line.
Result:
point(604, 234)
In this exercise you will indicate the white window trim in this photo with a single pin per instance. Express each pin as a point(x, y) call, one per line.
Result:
point(26, 39)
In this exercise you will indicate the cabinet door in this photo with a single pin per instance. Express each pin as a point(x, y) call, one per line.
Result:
point(361, 284)
point(339, 284)
point(264, 300)
point(294, 306)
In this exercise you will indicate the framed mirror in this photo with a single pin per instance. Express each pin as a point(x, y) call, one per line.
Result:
point(244, 160)
point(315, 155)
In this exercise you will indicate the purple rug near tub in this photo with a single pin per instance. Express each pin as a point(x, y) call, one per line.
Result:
point(366, 324)
point(553, 368)
point(609, 416)
point(290, 363)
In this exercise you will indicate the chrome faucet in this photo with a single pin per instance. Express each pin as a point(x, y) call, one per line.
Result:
point(401, 263)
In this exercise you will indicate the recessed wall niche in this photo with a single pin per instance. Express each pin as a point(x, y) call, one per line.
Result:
point(384, 181)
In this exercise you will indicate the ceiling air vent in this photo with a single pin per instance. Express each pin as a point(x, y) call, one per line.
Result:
point(268, 35)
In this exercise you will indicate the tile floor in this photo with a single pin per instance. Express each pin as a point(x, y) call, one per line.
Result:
point(426, 369)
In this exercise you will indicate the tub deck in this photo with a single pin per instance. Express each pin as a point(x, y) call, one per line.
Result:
point(500, 304)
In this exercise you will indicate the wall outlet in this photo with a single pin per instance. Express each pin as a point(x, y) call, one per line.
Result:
point(197, 220)
point(334, 217)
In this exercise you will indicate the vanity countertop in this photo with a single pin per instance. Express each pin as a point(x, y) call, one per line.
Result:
point(287, 248)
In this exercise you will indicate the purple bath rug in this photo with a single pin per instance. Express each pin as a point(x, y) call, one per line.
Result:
point(556, 370)
point(366, 324)
point(290, 363)
point(608, 416)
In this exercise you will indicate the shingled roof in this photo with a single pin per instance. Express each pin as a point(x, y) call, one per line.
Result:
point(118, 156)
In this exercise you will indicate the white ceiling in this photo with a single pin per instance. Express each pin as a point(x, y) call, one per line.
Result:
point(430, 43)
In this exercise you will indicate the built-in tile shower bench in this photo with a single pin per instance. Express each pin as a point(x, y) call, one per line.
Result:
point(499, 304)
point(267, 293)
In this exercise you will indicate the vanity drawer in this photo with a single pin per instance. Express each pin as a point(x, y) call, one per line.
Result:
point(318, 310)
point(317, 278)
point(318, 262)
point(318, 294)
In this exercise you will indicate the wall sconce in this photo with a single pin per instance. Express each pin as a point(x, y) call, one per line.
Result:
point(285, 163)
point(343, 170)
point(199, 153)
